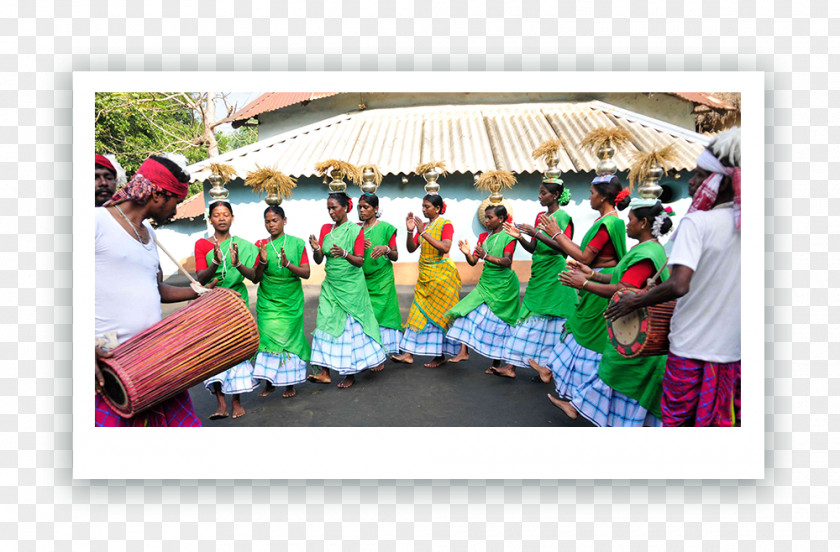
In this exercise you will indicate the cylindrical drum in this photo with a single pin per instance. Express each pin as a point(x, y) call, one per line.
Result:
point(199, 341)
point(643, 332)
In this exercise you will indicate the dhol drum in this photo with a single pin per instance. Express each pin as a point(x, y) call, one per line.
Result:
point(199, 341)
point(643, 332)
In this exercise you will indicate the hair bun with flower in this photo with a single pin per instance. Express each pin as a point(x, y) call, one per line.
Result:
point(443, 209)
point(509, 219)
point(565, 197)
point(349, 203)
point(622, 194)
point(668, 210)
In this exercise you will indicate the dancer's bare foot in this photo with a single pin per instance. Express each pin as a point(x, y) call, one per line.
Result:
point(508, 371)
point(405, 358)
point(238, 411)
point(221, 407)
point(565, 406)
point(348, 381)
point(544, 372)
point(269, 388)
point(323, 376)
point(436, 362)
point(463, 354)
point(378, 368)
point(290, 392)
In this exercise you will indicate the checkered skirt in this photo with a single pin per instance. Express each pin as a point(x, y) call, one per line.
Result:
point(534, 338)
point(391, 339)
point(429, 342)
point(350, 353)
point(239, 379)
point(605, 407)
point(283, 369)
point(482, 331)
point(572, 364)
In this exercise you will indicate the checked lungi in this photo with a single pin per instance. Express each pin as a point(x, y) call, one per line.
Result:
point(239, 379)
point(283, 369)
point(175, 412)
point(699, 393)
point(533, 338)
point(350, 353)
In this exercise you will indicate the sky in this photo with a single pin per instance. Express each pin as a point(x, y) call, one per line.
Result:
point(241, 99)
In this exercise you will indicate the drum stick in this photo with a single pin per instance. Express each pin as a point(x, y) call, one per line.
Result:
point(652, 281)
point(181, 268)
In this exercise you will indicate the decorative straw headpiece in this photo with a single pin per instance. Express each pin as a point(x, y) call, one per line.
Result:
point(603, 142)
point(651, 167)
point(548, 150)
point(337, 170)
point(371, 178)
point(494, 181)
point(273, 183)
point(430, 173)
point(220, 175)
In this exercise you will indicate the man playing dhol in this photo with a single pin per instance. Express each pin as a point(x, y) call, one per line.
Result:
point(703, 373)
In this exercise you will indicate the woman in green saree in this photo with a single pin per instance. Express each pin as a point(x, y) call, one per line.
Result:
point(547, 304)
point(230, 259)
point(483, 319)
point(281, 265)
point(576, 356)
point(625, 392)
point(346, 336)
point(380, 254)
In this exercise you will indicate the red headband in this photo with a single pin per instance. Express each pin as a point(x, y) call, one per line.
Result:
point(105, 162)
point(163, 178)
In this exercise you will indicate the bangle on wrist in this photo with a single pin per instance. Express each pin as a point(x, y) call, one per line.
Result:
point(262, 263)
point(555, 235)
point(237, 265)
point(345, 254)
point(287, 264)
point(584, 284)
point(215, 262)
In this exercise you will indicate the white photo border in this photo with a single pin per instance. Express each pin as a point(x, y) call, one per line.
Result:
point(423, 453)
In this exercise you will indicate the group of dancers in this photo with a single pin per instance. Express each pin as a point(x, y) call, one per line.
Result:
point(558, 329)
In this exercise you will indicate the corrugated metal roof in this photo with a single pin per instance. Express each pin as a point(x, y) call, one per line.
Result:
point(191, 208)
point(469, 139)
point(705, 98)
point(275, 100)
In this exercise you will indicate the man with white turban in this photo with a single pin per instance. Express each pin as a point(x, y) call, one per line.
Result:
point(703, 374)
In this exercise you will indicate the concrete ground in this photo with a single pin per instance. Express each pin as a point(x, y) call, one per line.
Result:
point(401, 395)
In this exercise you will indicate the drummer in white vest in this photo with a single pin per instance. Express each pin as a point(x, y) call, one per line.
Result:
point(128, 279)
point(703, 374)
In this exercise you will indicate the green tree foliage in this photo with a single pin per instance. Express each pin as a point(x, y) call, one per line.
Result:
point(134, 125)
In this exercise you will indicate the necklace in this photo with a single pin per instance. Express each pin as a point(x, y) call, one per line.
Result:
point(366, 228)
point(605, 214)
point(275, 249)
point(136, 233)
point(224, 256)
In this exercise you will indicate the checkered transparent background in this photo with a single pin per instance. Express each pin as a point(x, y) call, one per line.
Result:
point(41, 508)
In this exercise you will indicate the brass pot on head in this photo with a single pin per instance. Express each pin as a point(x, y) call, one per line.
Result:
point(337, 184)
point(368, 185)
point(431, 176)
point(217, 190)
point(273, 198)
point(553, 170)
point(607, 165)
point(650, 188)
